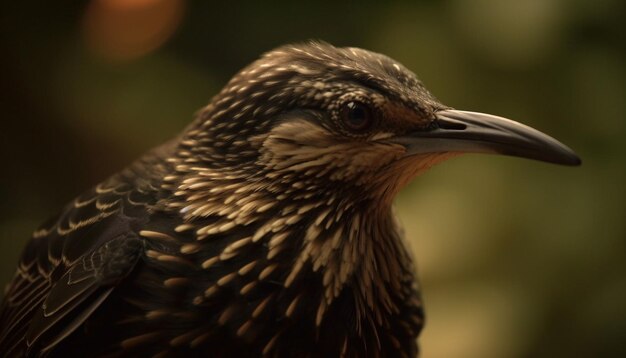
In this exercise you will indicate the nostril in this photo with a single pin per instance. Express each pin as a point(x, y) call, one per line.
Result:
point(450, 124)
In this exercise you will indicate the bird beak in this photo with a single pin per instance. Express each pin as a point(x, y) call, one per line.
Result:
point(471, 132)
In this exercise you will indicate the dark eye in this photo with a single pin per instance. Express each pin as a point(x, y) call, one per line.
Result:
point(356, 116)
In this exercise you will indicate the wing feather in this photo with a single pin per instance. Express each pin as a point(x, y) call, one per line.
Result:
point(74, 261)
point(69, 268)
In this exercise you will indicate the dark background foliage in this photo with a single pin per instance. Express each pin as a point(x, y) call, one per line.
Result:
point(517, 258)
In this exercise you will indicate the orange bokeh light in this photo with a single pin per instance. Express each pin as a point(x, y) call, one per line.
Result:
point(123, 30)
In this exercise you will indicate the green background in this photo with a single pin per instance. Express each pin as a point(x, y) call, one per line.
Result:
point(517, 258)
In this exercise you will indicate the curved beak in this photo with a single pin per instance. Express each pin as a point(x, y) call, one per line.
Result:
point(472, 132)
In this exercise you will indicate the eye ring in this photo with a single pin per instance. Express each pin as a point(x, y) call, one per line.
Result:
point(356, 116)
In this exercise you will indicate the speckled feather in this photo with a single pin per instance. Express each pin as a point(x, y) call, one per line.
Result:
point(264, 229)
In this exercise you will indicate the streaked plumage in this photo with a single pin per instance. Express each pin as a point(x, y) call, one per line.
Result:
point(265, 228)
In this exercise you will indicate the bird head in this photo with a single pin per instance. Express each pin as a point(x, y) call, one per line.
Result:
point(318, 117)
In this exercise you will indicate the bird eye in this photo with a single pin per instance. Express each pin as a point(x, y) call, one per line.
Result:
point(356, 116)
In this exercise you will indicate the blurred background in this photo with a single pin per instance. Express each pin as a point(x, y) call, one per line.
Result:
point(516, 258)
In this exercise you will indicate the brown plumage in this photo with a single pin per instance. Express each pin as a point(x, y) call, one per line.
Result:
point(265, 228)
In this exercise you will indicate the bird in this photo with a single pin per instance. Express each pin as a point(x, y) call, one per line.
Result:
point(264, 229)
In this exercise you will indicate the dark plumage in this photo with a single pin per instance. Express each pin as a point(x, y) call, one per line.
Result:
point(265, 228)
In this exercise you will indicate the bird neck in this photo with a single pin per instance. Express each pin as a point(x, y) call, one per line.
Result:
point(351, 245)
